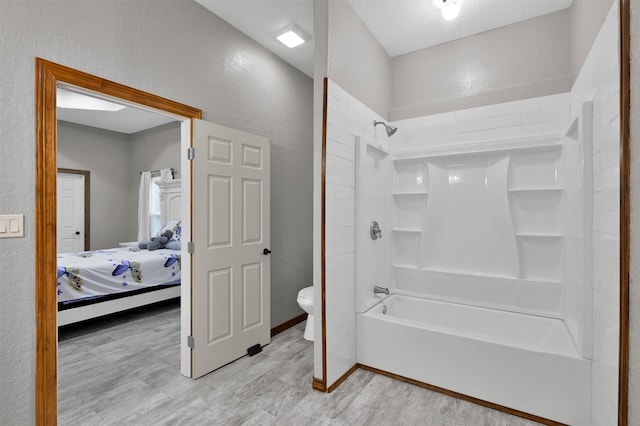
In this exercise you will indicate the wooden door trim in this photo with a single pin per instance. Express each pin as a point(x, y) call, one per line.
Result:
point(323, 241)
point(87, 202)
point(625, 208)
point(47, 77)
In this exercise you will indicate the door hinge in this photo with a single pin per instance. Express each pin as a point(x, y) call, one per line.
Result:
point(190, 247)
point(191, 153)
point(191, 342)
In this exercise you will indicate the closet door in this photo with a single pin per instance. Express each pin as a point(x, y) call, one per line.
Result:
point(231, 236)
point(70, 230)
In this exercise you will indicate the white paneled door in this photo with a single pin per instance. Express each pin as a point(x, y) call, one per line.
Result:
point(71, 210)
point(231, 236)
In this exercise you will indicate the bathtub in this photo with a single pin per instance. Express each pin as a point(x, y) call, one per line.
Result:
point(525, 362)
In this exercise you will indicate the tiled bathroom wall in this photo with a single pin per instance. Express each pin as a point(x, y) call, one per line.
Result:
point(346, 118)
point(528, 117)
point(599, 81)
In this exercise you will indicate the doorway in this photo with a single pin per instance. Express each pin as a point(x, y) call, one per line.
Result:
point(49, 76)
point(73, 232)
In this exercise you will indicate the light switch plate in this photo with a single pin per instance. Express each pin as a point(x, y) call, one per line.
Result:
point(11, 225)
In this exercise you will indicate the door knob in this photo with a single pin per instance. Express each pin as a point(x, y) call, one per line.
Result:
point(77, 232)
point(266, 251)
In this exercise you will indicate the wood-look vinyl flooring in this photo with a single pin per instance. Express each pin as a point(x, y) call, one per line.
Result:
point(125, 371)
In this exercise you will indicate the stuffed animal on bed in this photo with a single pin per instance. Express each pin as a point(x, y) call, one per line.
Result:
point(158, 242)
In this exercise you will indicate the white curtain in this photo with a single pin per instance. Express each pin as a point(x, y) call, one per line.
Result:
point(144, 206)
point(166, 175)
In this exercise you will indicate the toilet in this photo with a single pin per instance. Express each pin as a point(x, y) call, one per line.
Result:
point(305, 300)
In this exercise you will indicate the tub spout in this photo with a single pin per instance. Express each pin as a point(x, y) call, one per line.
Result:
point(380, 290)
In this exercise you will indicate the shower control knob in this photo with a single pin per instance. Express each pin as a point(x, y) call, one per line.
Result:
point(375, 230)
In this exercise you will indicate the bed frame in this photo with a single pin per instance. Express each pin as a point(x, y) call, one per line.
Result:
point(170, 199)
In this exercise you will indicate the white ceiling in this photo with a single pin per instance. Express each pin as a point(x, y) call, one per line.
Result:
point(400, 26)
point(127, 120)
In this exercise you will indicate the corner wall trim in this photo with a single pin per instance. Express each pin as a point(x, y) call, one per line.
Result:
point(288, 324)
point(323, 241)
point(342, 378)
point(624, 25)
point(318, 384)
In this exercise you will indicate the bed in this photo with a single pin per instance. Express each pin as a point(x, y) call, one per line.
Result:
point(94, 283)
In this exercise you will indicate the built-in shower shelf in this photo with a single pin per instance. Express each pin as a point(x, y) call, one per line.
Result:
point(407, 230)
point(535, 190)
point(377, 149)
point(538, 235)
point(411, 194)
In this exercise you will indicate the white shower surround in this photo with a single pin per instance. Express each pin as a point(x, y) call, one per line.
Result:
point(498, 233)
point(496, 223)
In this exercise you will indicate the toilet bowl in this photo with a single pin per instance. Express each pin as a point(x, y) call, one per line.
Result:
point(305, 300)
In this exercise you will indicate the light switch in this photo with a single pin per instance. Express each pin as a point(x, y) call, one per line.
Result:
point(11, 225)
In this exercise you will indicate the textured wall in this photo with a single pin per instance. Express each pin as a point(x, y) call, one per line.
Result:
point(537, 57)
point(106, 155)
point(151, 149)
point(356, 61)
point(586, 17)
point(177, 50)
point(524, 60)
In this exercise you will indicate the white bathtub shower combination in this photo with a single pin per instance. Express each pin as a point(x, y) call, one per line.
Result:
point(485, 253)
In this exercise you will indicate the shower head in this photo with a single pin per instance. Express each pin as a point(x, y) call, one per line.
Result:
point(390, 129)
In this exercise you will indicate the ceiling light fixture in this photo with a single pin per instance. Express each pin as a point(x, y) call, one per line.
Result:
point(73, 100)
point(450, 9)
point(291, 36)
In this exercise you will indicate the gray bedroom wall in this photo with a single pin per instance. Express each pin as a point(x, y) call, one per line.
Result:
point(151, 149)
point(518, 61)
point(106, 155)
point(177, 50)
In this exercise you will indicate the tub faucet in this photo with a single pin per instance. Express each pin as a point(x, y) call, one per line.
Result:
point(380, 290)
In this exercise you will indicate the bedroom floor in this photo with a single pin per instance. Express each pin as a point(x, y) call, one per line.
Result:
point(125, 371)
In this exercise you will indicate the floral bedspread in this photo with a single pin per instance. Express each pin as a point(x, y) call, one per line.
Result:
point(100, 272)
